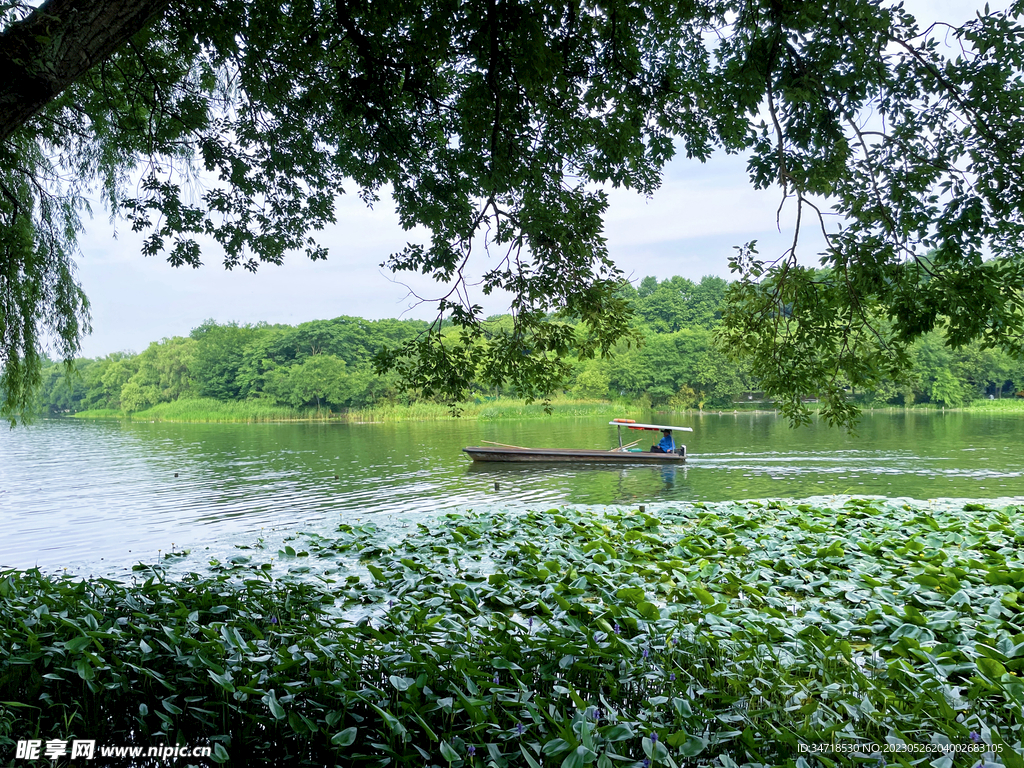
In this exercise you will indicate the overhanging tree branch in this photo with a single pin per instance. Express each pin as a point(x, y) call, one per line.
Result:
point(41, 55)
point(503, 121)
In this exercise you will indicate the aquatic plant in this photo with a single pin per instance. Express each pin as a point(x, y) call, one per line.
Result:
point(739, 633)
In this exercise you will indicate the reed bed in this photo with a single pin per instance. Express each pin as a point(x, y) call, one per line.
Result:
point(501, 408)
point(200, 410)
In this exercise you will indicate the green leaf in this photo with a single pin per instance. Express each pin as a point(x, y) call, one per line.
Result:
point(555, 746)
point(393, 723)
point(401, 683)
point(577, 758)
point(530, 761)
point(171, 707)
point(617, 732)
point(692, 747)
point(426, 728)
point(345, 738)
point(703, 595)
point(677, 738)
point(270, 699)
point(224, 681)
point(78, 644)
point(448, 753)
point(991, 668)
point(648, 610)
point(632, 595)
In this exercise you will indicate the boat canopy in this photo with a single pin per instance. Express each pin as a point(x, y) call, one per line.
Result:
point(656, 427)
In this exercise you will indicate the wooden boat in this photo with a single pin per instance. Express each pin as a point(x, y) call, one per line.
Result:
point(620, 455)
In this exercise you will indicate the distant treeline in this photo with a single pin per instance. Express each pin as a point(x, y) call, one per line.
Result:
point(327, 364)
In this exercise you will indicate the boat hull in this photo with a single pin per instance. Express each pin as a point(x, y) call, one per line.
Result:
point(570, 455)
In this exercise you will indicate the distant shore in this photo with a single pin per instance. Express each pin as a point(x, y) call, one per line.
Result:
point(207, 410)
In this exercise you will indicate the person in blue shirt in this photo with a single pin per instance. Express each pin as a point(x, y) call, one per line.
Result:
point(667, 444)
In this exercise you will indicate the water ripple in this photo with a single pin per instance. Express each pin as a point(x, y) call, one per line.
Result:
point(89, 495)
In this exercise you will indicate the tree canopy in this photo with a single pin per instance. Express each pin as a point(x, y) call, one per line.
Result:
point(496, 125)
point(325, 367)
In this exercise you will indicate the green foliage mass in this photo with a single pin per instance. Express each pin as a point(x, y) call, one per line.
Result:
point(496, 128)
point(317, 364)
point(732, 633)
point(326, 366)
point(329, 365)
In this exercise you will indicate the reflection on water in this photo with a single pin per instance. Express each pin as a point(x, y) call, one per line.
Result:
point(582, 483)
point(74, 492)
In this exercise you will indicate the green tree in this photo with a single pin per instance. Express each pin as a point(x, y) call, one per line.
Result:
point(218, 357)
point(983, 370)
point(719, 379)
point(260, 356)
point(1017, 376)
point(319, 380)
point(683, 399)
point(164, 372)
point(679, 303)
point(708, 301)
point(113, 378)
point(61, 390)
point(947, 389)
point(494, 124)
point(647, 286)
point(628, 371)
point(592, 381)
point(136, 397)
point(665, 309)
point(673, 360)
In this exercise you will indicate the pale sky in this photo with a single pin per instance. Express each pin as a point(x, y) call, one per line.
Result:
point(688, 227)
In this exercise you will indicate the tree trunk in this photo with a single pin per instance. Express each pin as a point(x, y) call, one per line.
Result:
point(56, 44)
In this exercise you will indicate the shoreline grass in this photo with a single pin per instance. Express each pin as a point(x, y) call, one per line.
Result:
point(1004, 405)
point(207, 410)
point(202, 410)
point(501, 408)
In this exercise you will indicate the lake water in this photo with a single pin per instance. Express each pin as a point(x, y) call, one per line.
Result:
point(98, 496)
